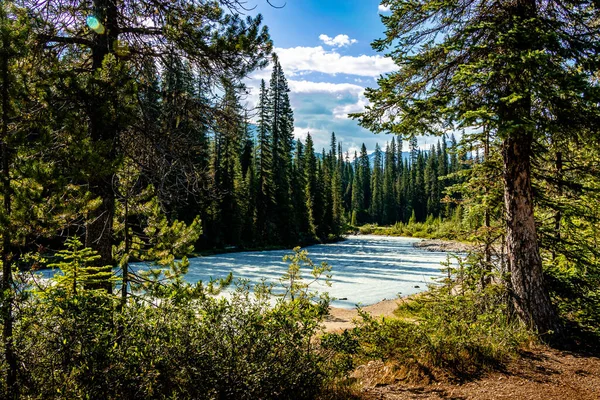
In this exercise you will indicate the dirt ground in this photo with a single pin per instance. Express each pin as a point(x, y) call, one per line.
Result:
point(540, 373)
point(340, 318)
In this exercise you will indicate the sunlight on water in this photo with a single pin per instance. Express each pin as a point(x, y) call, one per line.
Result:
point(366, 269)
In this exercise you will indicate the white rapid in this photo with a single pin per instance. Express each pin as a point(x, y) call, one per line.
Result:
point(365, 269)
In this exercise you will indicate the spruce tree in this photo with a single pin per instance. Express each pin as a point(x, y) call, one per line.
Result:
point(390, 176)
point(357, 194)
point(265, 197)
point(303, 223)
point(13, 33)
point(513, 67)
point(117, 35)
point(336, 171)
point(282, 131)
point(376, 206)
point(311, 191)
point(364, 178)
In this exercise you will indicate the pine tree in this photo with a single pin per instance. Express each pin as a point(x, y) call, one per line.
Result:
point(413, 148)
point(390, 176)
point(303, 222)
point(282, 130)
point(348, 184)
point(227, 168)
point(526, 67)
point(364, 178)
point(119, 35)
point(376, 209)
point(336, 187)
point(431, 183)
point(419, 196)
point(357, 194)
point(312, 193)
point(13, 34)
point(265, 198)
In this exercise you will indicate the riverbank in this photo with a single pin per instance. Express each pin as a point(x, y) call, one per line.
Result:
point(240, 249)
point(340, 319)
point(536, 372)
point(423, 242)
point(449, 246)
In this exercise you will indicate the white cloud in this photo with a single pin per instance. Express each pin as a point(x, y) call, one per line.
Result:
point(323, 87)
point(297, 60)
point(338, 41)
point(383, 8)
point(341, 112)
point(321, 137)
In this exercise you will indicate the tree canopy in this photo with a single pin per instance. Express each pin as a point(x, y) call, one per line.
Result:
point(523, 69)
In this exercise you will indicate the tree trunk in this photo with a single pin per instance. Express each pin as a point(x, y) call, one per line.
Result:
point(530, 296)
point(103, 132)
point(99, 226)
point(7, 281)
point(531, 299)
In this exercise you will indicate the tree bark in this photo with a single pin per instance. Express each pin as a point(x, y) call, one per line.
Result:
point(558, 213)
point(103, 132)
point(6, 256)
point(531, 299)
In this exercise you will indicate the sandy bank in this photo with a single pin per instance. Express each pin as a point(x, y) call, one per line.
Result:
point(341, 318)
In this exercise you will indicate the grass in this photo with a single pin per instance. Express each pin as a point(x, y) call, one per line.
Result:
point(432, 228)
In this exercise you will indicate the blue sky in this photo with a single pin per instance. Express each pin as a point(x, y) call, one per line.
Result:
point(324, 48)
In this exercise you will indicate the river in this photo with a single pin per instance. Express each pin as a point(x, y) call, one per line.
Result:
point(366, 269)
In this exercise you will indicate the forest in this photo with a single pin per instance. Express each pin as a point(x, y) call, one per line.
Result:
point(126, 136)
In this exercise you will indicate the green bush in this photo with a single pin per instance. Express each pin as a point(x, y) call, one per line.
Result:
point(458, 328)
point(575, 289)
point(432, 228)
point(185, 344)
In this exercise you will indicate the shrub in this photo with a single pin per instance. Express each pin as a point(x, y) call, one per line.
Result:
point(186, 344)
point(458, 328)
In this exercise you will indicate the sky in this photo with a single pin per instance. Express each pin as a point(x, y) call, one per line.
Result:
point(324, 48)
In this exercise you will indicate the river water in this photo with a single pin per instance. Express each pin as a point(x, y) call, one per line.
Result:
point(366, 269)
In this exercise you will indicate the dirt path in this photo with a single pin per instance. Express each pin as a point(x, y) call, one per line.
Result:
point(539, 374)
point(542, 373)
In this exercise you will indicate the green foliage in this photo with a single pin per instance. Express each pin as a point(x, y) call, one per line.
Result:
point(78, 269)
point(293, 280)
point(458, 327)
point(247, 345)
point(432, 228)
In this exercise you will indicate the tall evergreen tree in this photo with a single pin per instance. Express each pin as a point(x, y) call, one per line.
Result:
point(357, 199)
point(376, 209)
point(120, 34)
point(227, 167)
point(303, 222)
point(431, 182)
point(364, 177)
point(312, 191)
point(390, 176)
point(337, 200)
point(266, 195)
point(512, 67)
point(282, 131)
